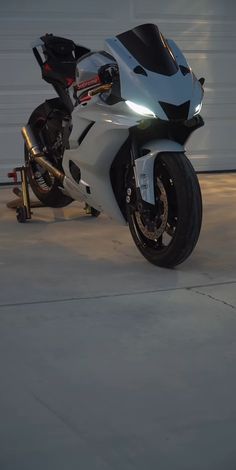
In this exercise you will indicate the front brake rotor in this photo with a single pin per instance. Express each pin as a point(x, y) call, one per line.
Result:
point(160, 221)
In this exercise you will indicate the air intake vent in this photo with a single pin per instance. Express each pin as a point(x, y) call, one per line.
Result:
point(140, 70)
point(184, 69)
point(75, 171)
point(176, 113)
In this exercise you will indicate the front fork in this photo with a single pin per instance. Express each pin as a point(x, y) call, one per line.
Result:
point(143, 171)
point(143, 196)
point(140, 195)
point(143, 163)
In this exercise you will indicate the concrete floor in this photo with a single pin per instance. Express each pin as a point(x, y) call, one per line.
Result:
point(108, 362)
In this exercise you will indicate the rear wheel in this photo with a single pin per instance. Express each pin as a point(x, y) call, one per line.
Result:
point(47, 130)
point(167, 233)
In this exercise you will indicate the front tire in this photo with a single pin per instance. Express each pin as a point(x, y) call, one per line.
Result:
point(171, 231)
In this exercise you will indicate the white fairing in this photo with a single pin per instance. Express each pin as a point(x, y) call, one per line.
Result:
point(154, 87)
point(95, 154)
point(107, 126)
point(197, 91)
point(88, 66)
point(145, 165)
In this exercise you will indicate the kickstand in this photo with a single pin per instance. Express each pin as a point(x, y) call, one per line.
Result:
point(23, 209)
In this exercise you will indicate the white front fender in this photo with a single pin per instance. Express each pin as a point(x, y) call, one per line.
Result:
point(144, 166)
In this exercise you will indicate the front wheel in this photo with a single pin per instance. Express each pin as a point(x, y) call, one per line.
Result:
point(167, 233)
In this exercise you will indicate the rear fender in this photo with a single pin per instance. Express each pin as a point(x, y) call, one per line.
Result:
point(144, 166)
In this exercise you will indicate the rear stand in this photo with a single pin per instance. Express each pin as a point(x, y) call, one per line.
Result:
point(22, 204)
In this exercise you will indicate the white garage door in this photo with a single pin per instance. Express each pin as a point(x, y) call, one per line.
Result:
point(204, 29)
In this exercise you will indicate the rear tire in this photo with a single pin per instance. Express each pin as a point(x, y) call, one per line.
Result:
point(176, 224)
point(45, 187)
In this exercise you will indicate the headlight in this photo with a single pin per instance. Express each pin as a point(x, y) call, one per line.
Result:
point(198, 109)
point(137, 108)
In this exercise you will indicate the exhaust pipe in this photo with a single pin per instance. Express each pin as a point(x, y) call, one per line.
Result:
point(38, 155)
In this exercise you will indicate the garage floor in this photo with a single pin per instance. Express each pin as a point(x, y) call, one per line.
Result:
point(108, 362)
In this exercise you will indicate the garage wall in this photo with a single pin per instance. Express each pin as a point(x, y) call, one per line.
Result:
point(205, 30)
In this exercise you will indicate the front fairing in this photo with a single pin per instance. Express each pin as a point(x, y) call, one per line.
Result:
point(178, 87)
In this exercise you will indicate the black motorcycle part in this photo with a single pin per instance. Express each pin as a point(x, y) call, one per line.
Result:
point(21, 214)
point(119, 171)
point(166, 238)
point(176, 113)
point(46, 123)
point(148, 46)
point(61, 55)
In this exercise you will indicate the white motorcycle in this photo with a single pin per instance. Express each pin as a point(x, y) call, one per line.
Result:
point(114, 138)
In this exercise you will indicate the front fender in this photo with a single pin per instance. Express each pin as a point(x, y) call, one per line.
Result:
point(144, 166)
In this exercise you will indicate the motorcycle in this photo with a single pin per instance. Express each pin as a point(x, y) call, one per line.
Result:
point(115, 135)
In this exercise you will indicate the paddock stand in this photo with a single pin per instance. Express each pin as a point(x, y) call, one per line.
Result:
point(22, 204)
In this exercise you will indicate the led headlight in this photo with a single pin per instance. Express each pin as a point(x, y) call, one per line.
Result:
point(198, 109)
point(139, 109)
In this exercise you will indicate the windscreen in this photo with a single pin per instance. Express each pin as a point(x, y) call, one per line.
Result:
point(149, 48)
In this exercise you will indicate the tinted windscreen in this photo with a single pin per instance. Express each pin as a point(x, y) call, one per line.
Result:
point(148, 47)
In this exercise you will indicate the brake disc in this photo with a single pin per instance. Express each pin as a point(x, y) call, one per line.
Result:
point(160, 221)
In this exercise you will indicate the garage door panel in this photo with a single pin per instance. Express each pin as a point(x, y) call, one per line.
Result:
point(12, 144)
point(60, 9)
point(221, 96)
point(218, 161)
point(213, 147)
point(216, 135)
point(210, 9)
point(217, 68)
point(218, 112)
point(205, 30)
point(202, 43)
point(18, 69)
